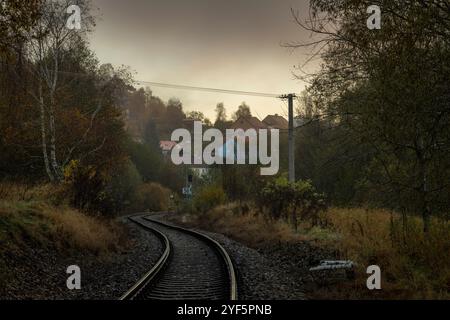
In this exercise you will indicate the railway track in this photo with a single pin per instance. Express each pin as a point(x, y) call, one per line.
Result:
point(192, 266)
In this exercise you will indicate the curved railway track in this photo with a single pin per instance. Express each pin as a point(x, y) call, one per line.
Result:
point(192, 266)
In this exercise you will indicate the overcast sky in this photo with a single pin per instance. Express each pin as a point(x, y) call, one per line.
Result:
point(230, 44)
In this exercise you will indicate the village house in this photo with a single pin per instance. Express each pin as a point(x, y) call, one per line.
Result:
point(276, 122)
point(270, 122)
point(166, 147)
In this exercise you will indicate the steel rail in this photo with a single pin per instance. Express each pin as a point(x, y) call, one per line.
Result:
point(155, 270)
point(233, 290)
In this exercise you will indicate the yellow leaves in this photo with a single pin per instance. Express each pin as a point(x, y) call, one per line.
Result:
point(92, 172)
point(75, 168)
point(70, 169)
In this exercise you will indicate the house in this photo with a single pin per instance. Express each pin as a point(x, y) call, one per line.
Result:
point(248, 122)
point(270, 122)
point(166, 147)
point(276, 122)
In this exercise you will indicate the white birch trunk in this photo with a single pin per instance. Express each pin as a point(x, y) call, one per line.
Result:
point(44, 135)
point(53, 158)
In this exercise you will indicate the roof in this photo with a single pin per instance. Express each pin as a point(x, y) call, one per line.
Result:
point(167, 145)
point(276, 122)
point(248, 122)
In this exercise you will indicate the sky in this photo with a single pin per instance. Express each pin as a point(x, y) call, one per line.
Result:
point(227, 44)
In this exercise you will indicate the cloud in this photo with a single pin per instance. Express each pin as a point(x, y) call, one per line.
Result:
point(231, 44)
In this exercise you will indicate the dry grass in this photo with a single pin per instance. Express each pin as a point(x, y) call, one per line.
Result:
point(28, 217)
point(50, 193)
point(250, 228)
point(254, 229)
point(414, 266)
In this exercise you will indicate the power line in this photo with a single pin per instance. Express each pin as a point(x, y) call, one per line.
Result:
point(184, 87)
point(227, 91)
point(187, 87)
point(283, 109)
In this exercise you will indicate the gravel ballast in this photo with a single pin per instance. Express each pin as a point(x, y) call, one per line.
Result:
point(39, 273)
point(278, 272)
point(260, 276)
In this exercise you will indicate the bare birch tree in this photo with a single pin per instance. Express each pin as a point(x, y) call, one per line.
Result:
point(47, 44)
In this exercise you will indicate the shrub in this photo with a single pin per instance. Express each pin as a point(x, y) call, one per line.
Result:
point(120, 191)
point(98, 191)
point(208, 198)
point(152, 197)
point(282, 198)
point(87, 184)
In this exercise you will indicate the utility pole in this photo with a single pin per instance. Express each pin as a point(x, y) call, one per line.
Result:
point(291, 136)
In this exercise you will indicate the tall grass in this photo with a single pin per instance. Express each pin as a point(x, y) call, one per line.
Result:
point(413, 265)
point(249, 228)
point(51, 193)
point(37, 216)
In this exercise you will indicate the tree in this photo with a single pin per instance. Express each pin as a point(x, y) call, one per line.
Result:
point(221, 113)
point(151, 136)
point(17, 141)
point(17, 18)
point(243, 111)
point(221, 117)
point(207, 123)
point(137, 112)
point(156, 106)
point(49, 40)
point(146, 159)
point(173, 117)
point(195, 115)
point(389, 88)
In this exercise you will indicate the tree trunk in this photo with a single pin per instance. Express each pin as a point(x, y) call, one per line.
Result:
point(54, 161)
point(44, 135)
point(52, 88)
point(424, 197)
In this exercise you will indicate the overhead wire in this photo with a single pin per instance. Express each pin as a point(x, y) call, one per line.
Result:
point(217, 90)
point(197, 88)
point(186, 87)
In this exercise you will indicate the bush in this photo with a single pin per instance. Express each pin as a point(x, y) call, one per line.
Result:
point(281, 198)
point(208, 198)
point(99, 191)
point(87, 184)
point(152, 197)
point(120, 191)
